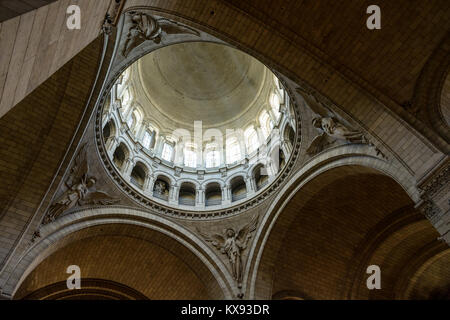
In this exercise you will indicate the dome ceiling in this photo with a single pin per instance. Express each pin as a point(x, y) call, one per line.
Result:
point(204, 81)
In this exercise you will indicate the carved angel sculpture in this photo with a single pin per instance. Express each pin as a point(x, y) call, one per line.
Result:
point(78, 190)
point(144, 27)
point(232, 244)
point(331, 129)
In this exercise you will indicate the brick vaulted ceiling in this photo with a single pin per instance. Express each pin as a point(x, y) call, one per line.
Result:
point(387, 63)
point(390, 59)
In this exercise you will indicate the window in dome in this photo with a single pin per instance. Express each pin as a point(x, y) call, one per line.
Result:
point(212, 155)
point(122, 81)
point(266, 124)
point(275, 104)
point(147, 140)
point(212, 159)
point(251, 139)
point(167, 152)
point(233, 150)
point(190, 157)
point(126, 99)
point(131, 121)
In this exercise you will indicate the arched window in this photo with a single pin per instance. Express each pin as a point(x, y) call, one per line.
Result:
point(138, 175)
point(187, 194)
point(213, 194)
point(167, 152)
point(147, 139)
point(212, 157)
point(137, 122)
point(251, 139)
point(122, 81)
point(275, 104)
point(233, 150)
point(190, 156)
point(266, 124)
point(131, 120)
point(238, 189)
point(126, 100)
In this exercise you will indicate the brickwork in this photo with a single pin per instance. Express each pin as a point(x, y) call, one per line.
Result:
point(335, 205)
point(35, 136)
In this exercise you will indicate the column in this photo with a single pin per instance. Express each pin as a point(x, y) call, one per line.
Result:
point(435, 204)
point(111, 146)
point(128, 167)
point(159, 144)
point(178, 156)
point(148, 182)
point(153, 140)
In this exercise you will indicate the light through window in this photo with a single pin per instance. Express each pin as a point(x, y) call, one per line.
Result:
point(233, 150)
point(212, 159)
point(275, 104)
point(266, 124)
point(190, 158)
point(251, 138)
point(167, 152)
point(146, 140)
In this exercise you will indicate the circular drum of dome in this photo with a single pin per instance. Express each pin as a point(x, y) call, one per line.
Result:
point(198, 129)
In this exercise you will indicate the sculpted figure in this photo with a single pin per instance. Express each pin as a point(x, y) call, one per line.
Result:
point(338, 131)
point(144, 27)
point(332, 130)
point(160, 188)
point(232, 244)
point(78, 192)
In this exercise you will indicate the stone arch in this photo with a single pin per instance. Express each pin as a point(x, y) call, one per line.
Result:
point(121, 155)
point(196, 184)
point(428, 102)
point(139, 174)
point(321, 164)
point(187, 194)
point(91, 223)
point(139, 158)
point(110, 129)
point(213, 193)
point(97, 289)
point(219, 181)
point(238, 188)
point(307, 82)
point(260, 180)
point(170, 179)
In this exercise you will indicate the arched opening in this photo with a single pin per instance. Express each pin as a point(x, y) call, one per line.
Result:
point(238, 189)
point(282, 158)
point(138, 175)
point(213, 194)
point(109, 130)
point(289, 136)
point(120, 155)
point(187, 194)
point(167, 104)
point(260, 176)
point(161, 188)
point(120, 261)
point(333, 228)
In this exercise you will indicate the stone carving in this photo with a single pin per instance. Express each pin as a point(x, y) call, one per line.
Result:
point(144, 27)
point(36, 234)
point(439, 181)
point(431, 211)
point(432, 191)
point(233, 243)
point(332, 130)
point(78, 185)
point(330, 127)
point(160, 188)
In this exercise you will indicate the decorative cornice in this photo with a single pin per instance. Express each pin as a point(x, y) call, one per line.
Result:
point(160, 208)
